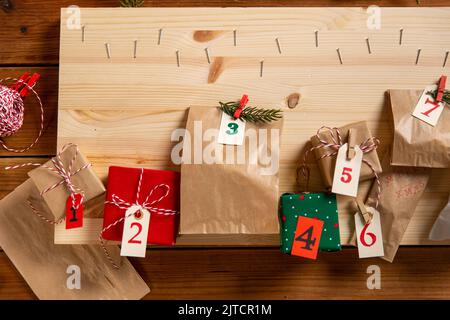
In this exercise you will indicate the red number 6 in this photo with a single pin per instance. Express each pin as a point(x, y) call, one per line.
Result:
point(362, 237)
point(346, 176)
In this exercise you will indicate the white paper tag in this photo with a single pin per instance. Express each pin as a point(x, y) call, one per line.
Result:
point(346, 172)
point(231, 130)
point(368, 236)
point(427, 109)
point(135, 232)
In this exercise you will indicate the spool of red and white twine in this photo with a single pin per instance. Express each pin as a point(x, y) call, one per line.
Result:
point(12, 112)
point(336, 142)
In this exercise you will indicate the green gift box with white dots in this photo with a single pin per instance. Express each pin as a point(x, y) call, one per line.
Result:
point(322, 206)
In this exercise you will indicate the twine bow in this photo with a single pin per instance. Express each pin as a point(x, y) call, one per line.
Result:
point(66, 179)
point(141, 207)
point(367, 146)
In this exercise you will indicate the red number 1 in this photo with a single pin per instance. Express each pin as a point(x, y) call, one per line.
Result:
point(346, 176)
point(436, 105)
point(132, 240)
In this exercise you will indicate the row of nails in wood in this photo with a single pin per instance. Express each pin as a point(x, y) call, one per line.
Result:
point(277, 41)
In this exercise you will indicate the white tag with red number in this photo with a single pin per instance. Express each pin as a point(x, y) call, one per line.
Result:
point(368, 236)
point(231, 130)
point(135, 232)
point(347, 171)
point(427, 109)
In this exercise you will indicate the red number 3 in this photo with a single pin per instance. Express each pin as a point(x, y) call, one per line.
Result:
point(132, 240)
point(346, 176)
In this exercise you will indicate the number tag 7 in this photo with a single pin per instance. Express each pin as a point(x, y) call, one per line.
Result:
point(135, 232)
point(427, 109)
point(347, 171)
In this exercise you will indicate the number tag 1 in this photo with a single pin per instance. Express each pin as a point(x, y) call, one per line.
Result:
point(427, 109)
point(307, 238)
point(74, 212)
point(369, 236)
point(347, 171)
point(135, 232)
point(231, 130)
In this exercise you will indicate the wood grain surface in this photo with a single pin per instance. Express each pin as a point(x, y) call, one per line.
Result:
point(122, 110)
point(30, 30)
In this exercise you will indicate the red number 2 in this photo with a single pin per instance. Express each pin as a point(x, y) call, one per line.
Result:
point(132, 240)
point(346, 176)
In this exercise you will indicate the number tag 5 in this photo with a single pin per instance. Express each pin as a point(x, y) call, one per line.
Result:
point(346, 172)
point(135, 232)
point(231, 130)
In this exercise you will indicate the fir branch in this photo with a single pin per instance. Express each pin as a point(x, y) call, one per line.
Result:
point(445, 96)
point(252, 114)
point(131, 3)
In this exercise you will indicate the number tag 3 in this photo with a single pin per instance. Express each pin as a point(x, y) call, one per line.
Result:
point(135, 232)
point(307, 237)
point(369, 236)
point(231, 130)
point(346, 172)
point(427, 109)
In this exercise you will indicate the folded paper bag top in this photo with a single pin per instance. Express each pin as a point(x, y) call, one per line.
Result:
point(416, 143)
point(123, 183)
point(360, 134)
point(85, 180)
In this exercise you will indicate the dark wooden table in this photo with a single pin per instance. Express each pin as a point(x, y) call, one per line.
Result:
point(29, 41)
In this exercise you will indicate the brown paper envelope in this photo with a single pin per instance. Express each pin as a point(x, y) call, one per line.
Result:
point(402, 188)
point(417, 143)
point(28, 242)
point(56, 199)
point(227, 198)
point(327, 164)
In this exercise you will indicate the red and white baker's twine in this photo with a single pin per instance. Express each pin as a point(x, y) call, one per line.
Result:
point(122, 204)
point(336, 142)
point(66, 175)
point(12, 114)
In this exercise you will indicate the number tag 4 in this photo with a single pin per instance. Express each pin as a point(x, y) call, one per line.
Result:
point(369, 236)
point(231, 130)
point(427, 109)
point(307, 237)
point(347, 171)
point(135, 232)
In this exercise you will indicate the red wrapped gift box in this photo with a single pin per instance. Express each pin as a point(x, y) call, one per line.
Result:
point(123, 182)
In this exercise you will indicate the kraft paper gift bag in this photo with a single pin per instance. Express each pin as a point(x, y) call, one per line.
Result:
point(361, 133)
point(417, 143)
point(441, 228)
point(46, 267)
point(401, 190)
point(235, 197)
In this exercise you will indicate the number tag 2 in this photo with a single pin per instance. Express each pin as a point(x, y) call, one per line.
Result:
point(307, 238)
point(346, 172)
point(231, 130)
point(135, 232)
point(369, 236)
point(427, 109)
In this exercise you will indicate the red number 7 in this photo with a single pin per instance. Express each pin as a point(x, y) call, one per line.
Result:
point(436, 105)
point(346, 176)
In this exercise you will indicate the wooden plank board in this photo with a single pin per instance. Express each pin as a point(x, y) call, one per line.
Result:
point(122, 110)
point(269, 274)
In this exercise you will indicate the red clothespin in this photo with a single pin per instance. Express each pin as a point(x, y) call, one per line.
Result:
point(30, 84)
point(244, 101)
point(441, 88)
point(19, 83)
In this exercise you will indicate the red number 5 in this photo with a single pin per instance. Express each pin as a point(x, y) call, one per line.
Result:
point(132, 240)
point(346, 176)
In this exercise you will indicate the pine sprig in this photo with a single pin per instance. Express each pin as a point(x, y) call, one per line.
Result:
point(131, 3)
point(252, 114)
point(445, 96)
